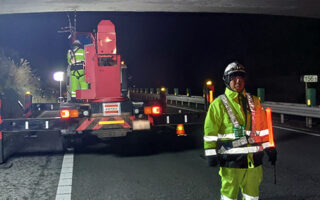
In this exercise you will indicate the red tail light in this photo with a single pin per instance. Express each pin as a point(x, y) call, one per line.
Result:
point(156, 110)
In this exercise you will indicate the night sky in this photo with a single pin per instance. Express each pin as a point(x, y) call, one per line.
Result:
point(183, 49)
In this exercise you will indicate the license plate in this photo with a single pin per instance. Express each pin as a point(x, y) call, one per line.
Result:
point(111, 109)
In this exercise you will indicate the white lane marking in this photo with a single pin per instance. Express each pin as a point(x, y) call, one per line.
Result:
point(298, 131)
point(47, 124)
point(65, 180)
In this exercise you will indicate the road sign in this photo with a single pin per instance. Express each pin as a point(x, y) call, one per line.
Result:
point(310, 78)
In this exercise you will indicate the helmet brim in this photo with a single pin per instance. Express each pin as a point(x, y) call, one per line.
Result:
point(238, 73)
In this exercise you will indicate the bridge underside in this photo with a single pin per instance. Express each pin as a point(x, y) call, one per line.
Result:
point(299, 8)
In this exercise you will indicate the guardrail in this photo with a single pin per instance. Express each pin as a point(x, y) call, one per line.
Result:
point(277, 107)
point(198, 103)
point(293, 109)
point(182, 100)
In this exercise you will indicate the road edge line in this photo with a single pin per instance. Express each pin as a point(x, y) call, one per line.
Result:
point(298, 131)
point(65, 179)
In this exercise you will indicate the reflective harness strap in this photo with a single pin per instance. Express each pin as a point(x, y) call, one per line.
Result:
point(237, 145)
point(73, 53)
point(72, 56)
point(244, 150)
point(229, 111)
point(78, 75)
point(253, 114)
point(233, 117)
point(240, 141)
point(234, 147)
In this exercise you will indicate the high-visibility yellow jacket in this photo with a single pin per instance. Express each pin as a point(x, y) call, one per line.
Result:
point(75, 56)
point(219, 136)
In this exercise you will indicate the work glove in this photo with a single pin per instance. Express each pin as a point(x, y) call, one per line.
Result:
point(212, 161)
point(272, 154)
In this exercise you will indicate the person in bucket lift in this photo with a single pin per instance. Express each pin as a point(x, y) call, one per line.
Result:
point(75, 58)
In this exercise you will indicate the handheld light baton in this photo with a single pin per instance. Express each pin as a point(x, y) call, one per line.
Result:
point(270, 127)
point(271, 138)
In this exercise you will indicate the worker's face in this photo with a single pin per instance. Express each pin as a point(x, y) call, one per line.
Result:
point(237, 83)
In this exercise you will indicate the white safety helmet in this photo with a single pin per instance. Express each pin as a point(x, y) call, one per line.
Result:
point(76, 43)
point(232, 70)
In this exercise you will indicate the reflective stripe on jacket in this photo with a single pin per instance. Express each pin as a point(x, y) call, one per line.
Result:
point(219, 129)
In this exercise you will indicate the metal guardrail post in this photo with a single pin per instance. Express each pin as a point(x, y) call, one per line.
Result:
point(309, 122)
point(282, 118)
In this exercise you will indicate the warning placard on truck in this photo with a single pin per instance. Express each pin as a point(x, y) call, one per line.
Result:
point(110, 109)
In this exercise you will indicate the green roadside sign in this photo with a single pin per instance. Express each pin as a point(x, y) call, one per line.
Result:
point(310, 78)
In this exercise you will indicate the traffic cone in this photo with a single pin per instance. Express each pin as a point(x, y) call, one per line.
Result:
point(180, 130)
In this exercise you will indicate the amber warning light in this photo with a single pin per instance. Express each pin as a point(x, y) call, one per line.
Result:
point(180, 130)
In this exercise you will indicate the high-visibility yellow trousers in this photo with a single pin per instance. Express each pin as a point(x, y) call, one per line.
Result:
point(78, 81)
point(247, 179)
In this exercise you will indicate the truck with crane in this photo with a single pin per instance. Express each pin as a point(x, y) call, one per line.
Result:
point(108, 108)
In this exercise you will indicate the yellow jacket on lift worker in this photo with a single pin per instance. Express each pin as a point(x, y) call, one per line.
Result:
point(76, 59)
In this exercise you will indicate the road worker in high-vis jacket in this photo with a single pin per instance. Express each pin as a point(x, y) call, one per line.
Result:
point(236, 136)
point(75, 59)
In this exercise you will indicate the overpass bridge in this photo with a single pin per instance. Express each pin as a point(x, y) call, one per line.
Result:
point(298, 8)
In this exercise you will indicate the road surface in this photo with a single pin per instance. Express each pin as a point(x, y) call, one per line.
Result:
point(159, 166)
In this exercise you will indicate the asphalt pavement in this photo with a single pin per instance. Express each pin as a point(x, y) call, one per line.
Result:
point(158, 165)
